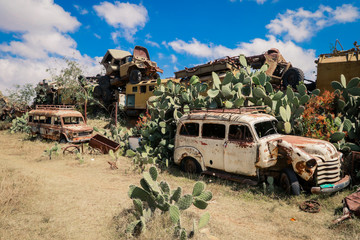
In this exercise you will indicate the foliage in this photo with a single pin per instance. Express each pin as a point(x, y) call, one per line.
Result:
point(20, 124)
point(118, 134)
point(347, 109)
point(21, 95)
point(244, 88)
point(153, 196)
point(72, 86)
point(53, 150)
point(270, 188)
point(318, 119)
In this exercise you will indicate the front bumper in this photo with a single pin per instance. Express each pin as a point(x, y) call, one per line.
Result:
point(330, 188)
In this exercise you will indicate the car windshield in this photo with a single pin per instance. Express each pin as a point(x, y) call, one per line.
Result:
point(266, 128)
point(72, 120)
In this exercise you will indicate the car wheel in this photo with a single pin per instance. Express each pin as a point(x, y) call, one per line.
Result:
point(135, 76)
point(289, 182)
point(292, 77)
point(62, 139)
point(190, 165)
point(156, 76)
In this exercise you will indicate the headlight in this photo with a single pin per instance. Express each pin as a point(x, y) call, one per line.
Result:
point(311, 163)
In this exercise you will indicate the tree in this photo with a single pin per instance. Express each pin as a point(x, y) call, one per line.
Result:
point(21, 95)
point(72, 86)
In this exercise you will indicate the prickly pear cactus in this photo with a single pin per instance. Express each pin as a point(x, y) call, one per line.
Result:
point(160, 196)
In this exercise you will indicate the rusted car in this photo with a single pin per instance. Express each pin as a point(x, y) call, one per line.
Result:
point(124, 67)
point(282, 73)
point(246, 142)
point(59, 122)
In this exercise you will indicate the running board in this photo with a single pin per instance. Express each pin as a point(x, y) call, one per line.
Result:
point(229, 176)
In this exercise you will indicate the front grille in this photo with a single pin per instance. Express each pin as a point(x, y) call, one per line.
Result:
point(83, 134)
point(328, 172)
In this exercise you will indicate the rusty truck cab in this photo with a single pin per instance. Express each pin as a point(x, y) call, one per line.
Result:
point(60, 123)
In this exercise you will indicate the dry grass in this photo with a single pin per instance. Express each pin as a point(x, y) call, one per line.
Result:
point(65, 199)
point(14, 188)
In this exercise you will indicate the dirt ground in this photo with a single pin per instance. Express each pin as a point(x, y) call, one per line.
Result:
point(74, 200)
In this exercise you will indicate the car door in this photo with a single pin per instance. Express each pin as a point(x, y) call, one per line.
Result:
point(212, 145)
point(240, 150)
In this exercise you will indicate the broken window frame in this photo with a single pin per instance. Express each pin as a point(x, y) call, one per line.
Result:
point(247, 137)
point(212, 128)
point(185, 127)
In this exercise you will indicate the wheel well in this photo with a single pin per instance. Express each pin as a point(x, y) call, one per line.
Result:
point(198, 167)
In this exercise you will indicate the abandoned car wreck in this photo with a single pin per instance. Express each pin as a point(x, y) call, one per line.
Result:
point(246, 142)
point(60, 123)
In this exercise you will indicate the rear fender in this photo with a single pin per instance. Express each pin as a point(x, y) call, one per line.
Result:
point(187, 151)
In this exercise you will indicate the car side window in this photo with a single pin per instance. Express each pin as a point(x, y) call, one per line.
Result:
point(212, 130)
point(240, 133)
point(48, 120)
point(30, 118)
point(57, 121)
point(36, 119)
point(189, 129)
point(42, 119)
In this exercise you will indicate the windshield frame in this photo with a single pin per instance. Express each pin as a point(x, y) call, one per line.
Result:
point(266, 132)
point(81, 120)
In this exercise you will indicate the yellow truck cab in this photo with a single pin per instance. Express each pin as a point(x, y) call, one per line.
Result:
point(138, 94)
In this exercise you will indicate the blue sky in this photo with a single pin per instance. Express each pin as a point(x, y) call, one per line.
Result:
point(38, 34)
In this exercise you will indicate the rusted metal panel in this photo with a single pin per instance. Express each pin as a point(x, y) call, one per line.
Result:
point(104, 144)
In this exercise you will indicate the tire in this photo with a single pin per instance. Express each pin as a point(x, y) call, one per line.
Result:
point(190, 165)
point(62, 139)
point(156, 76)
point(289, 182)
point(135, 76)
point(292, 77)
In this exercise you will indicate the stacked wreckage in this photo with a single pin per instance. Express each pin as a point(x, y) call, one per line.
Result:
point(226, 143)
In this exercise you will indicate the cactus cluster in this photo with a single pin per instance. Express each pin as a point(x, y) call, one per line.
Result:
point(20, 124)
point(118, 134)
point(243, 88)
point(348, 116)
point(158, 195)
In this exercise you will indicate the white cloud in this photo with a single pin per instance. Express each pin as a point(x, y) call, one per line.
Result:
point(127, 17)
point(40, 44)
point(149, 42)
point(346, 13)
point(35, 15)
point(173, 58)
point(301, 25)
point(41, 29)
point(257, 1)
point(288, 49)
point(22, 71)
point(81, 10)
point(152, 43)
point(260, 1)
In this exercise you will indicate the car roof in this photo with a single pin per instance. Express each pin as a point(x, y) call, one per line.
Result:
point(56, 113)
point(233, 115)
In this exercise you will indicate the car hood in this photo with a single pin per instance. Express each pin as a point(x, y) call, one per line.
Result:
point(315, 147)
point(304, 154)
point(78, 128)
